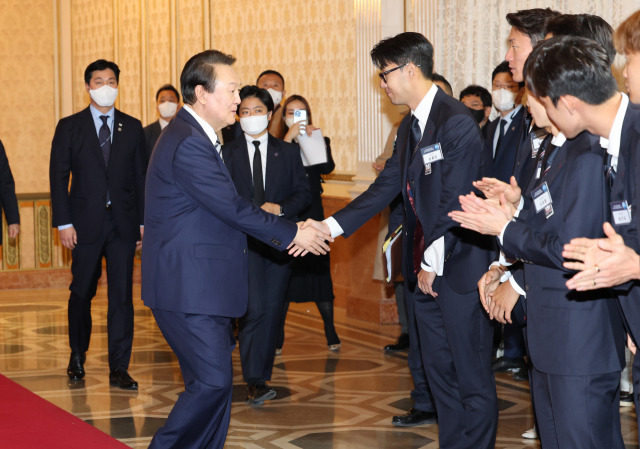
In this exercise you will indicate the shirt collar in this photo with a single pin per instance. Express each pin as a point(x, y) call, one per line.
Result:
point(96, 114)
point(262, 139)
point(424, 107)
point(208, 129)
point(509, 117)
point(612, 144)
point(558, 140)
point(163, 123)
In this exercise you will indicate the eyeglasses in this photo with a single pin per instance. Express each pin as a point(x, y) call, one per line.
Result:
point(383, 75)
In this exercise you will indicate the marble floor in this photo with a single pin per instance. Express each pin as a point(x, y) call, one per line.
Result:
point(325, 400)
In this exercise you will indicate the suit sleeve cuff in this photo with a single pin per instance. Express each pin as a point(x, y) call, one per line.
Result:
point(60, 228)
point(334, 227)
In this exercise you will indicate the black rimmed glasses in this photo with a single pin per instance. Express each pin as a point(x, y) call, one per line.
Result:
point(384, 74)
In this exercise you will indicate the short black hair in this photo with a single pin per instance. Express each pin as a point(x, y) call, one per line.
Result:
point(261, 94)
point(584, 25)
point(101, 64)
point(199, 71)
point(478, 91)
point(168, 87)
point(532, 22)
point(437, 77)
point(402, 49)
point(503, 67)
point(570, 65)
point(270, 72)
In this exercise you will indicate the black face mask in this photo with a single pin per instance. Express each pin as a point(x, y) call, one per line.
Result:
point(478, 114)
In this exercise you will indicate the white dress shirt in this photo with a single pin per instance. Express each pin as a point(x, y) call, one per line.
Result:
point(263, 139)
point(208, 129)
point(612, 144)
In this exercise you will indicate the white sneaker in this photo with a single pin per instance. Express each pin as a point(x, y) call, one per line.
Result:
point(530, 434)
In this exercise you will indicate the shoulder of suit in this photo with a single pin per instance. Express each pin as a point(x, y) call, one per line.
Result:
point(151, 126)
point(286, 146)
point(122, 117)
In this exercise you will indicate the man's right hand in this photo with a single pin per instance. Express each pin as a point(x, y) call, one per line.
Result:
point(69, 238)
point(504, 300)
point(492, 188)
point(488, 284)
point(311, 237)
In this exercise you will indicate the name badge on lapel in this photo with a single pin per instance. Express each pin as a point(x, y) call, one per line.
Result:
point(542, 200)
point(536, 140)
point(432, 153)
point(621, 212)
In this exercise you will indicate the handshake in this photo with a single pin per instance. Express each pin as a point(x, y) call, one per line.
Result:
point(312, 237)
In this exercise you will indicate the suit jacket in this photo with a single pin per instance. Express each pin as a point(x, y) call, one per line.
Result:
point(76, 153)
point(467, 254)
point(285, 180)
point(151, 134)
point(625, 189)
point(568, 332)
point(506, 156)
point(8, 199)
point(194, 257)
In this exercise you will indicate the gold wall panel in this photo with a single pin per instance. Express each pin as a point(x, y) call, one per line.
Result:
point(312, 43)
point(159, 52)
point(92, 35)
point(26, 73)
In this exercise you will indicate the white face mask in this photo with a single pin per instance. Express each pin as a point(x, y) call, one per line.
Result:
point(104, 96)
point(503, 99)
point(275, 96)
point(167, 109)
point(254, 124)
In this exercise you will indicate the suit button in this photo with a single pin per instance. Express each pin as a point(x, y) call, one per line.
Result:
point(244, 251)
point(526, 287)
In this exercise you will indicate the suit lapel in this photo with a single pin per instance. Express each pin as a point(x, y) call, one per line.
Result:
point(273, 166)
point(90, 129)
point(243, 163)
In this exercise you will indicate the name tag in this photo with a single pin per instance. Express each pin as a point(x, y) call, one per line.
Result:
point(621, 212)
point(542, 198)
point(431, 154)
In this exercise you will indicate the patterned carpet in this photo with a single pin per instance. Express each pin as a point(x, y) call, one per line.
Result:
point(325, 400)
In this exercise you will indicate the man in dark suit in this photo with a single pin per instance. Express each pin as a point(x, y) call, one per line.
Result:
point(269, 173)
point(167, 105)
point(102, 150)
point(437, 156)
point(575, 340)
point(195, 261)
point(8, 200)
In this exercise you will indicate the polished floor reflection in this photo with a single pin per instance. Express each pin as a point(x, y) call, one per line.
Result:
point(325, 400)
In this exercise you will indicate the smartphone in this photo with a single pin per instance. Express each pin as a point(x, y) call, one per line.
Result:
point(300, 115)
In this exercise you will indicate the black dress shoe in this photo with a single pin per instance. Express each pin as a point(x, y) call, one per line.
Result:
point(120, 378)
point(400, 345)
point(626, 399)
point(521, 374)
point(259, 392)
point(502, 365)
point(75, 370)
point(414, 417)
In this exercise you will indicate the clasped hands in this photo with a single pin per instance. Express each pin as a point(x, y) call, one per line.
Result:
point(488, 215)
point(604, 262)
point(312, 237)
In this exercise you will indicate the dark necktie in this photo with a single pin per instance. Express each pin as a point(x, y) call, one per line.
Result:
point(415, 135)
point(503, 123)
point(544, 158)
point(609, 172)
point(526, 125)
point(104, 137)
point(258, 186)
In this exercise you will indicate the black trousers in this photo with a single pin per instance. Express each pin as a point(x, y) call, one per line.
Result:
point(258, 329)
point(86, 269)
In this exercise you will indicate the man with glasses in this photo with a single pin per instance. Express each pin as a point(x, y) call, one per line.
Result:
point(437, 156)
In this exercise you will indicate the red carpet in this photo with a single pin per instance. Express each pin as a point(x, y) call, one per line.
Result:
point(29, 422)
